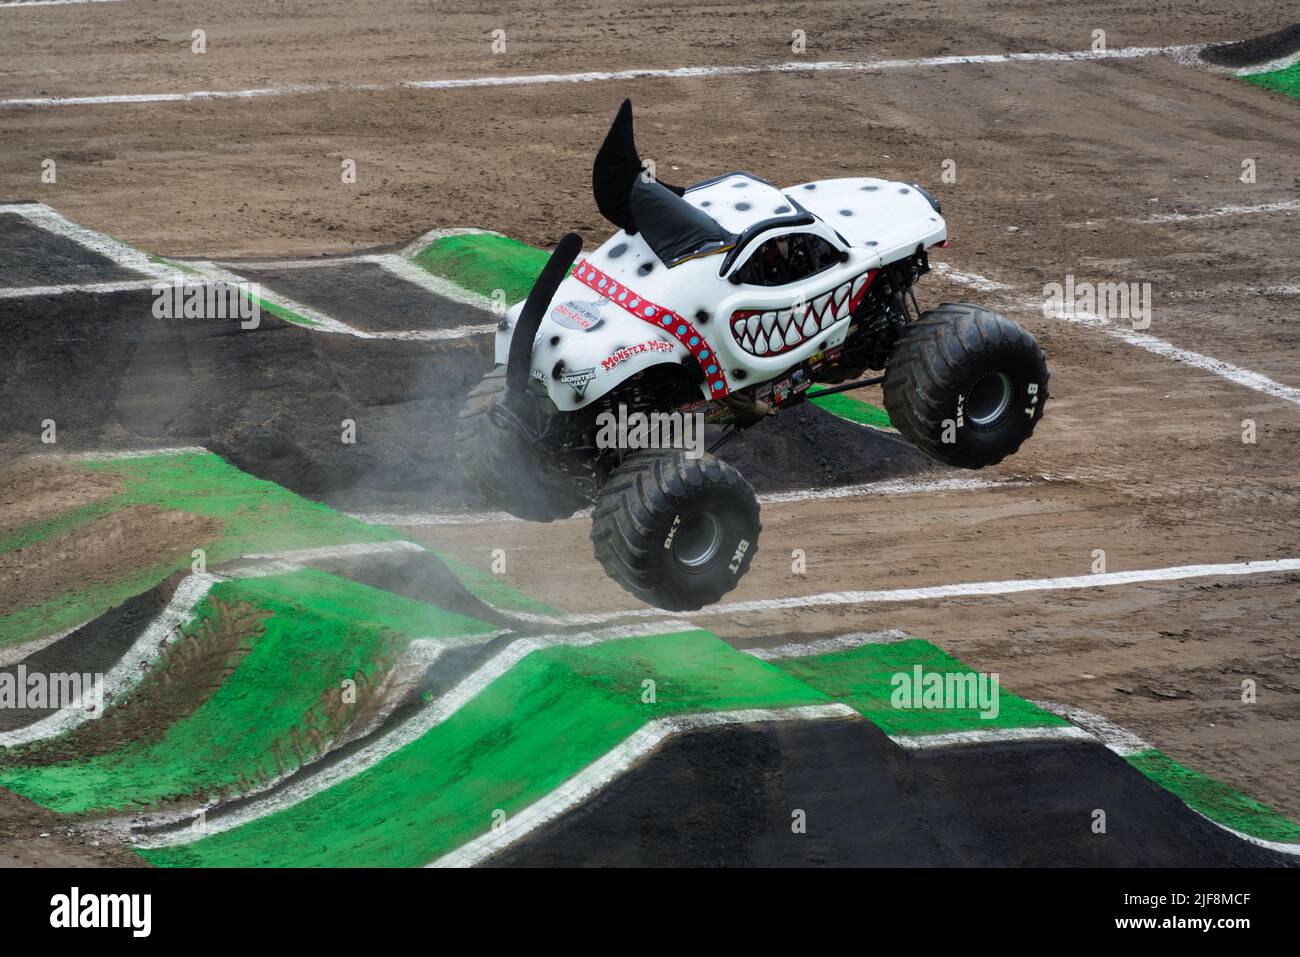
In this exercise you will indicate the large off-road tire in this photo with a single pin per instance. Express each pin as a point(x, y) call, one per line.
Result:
point(503, 466)
point(676, 532)
point(966, 385)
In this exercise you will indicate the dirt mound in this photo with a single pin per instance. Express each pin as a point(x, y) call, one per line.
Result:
point(94, 647)
point(368, 297)
point(1271, 46)
point(725, 797)
point(108, 549)
point(271, 400)
point(32, 836)
point(420, 576)
point(38, 488)
point(188, 673)
point(31, 256)
point(804, 447)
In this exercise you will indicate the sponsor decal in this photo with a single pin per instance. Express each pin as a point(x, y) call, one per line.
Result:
point(676, 326)
point(578, 379)
point(578, 315)
point(622, 355)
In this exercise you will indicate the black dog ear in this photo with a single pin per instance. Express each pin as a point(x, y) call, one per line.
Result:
point(615, 170)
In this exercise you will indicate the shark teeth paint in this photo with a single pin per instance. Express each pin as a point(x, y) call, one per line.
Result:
point(773, 333)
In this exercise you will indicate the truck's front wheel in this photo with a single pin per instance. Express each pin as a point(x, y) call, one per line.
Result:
point(966, 385)
point(676, 532)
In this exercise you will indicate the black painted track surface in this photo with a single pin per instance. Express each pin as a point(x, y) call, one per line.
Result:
point(726, 796)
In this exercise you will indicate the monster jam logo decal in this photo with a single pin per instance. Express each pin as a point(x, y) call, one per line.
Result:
point(579, 379)
point(661, 318)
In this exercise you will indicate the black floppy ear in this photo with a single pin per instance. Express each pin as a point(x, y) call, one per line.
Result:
point(615, 171)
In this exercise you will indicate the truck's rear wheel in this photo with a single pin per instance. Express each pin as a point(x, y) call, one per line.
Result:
point(502, 465)
point(966, 385)
point(676, 532)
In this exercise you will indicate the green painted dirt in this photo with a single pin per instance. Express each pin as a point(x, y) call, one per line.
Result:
point(484, 263)
point(1216, 800)
point(528, 732)
point(1286, 80)
point(257, 517)
point(851, 409)
point(280, 705)
point(861, 678)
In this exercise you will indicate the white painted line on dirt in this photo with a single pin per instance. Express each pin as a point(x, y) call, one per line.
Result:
point(1232, 291)
point(1281, 63)
point(275, 798)
point(687, 72)
point(1278, 207)
point(888, 487)
point(986, 589)
point(865, 489)
point(111, 456)
point(972, 279)
point(1279, 846)
point(924, 742)
point(421, 519)
point(50, 3)
point(425, 240)
point(822, 66)
point(319, 262)
point(43, 217)
point(602, 772)
point(1018, 586)
point(280, 563)
point(406, 269)
point(338, 551)
point(186, 97)
point(1266, 66)
point(29, 292)
point(1120, 740)
point(826, 646)
point(403, 268)
point(160, 633)
point(325, 323)
point(1224, 370)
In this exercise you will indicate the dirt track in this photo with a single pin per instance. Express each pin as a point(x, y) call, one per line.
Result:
point(1145, 456)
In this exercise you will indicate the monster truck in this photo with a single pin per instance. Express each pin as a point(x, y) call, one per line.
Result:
point(727, 300)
